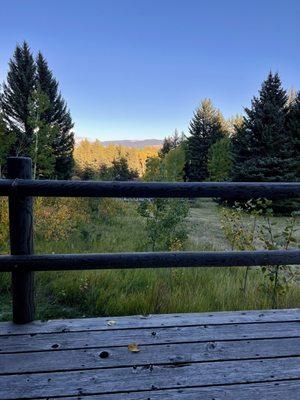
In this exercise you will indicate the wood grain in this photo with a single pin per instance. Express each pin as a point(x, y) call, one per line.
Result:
point(179, 259)
point(228, 190)
point(241, 355)
point(21, 241)
point(115, 380)
point(151, 321)
point(81, 359)
point(277, 390)
point(96, 339)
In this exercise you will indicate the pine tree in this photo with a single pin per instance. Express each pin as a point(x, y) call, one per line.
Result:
point(205, 129)
point(262, 147)
point(57, 115)
point(7, 140)
point(220, 160)
point(17, 91)
point(293, 128)
point(292, 95)
point(170, 143)
point(121, 172)
point(43, 136)
point(26, 78)
point(234, 123)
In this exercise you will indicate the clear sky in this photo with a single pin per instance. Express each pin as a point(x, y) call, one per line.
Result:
point(134, 69)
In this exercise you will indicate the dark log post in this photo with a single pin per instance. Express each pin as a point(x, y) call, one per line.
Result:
point(21, 240)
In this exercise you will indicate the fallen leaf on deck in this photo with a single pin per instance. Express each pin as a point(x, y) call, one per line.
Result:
point(133, 347)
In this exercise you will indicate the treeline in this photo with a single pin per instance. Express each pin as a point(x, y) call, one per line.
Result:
point(261, 146)
point(34, 118)
point(113, 162)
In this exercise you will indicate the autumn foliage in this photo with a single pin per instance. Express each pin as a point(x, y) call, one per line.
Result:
point(92, 156)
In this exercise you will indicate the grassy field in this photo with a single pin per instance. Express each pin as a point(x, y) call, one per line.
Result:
point(99, 293)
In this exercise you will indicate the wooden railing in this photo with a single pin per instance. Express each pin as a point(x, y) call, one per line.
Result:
point(20, 188)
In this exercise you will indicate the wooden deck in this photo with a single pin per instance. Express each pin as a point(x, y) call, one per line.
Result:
point(228, 355)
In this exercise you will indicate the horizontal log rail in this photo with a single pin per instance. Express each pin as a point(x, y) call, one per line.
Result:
point(184, 259)
point(20, 189)
point(228, 190)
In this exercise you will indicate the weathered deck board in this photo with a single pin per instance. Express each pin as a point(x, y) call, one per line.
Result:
point(149, 377)
point(150, 321)
point(239, 355)
point(92, 339)
point(159, 354)
point(259, 391)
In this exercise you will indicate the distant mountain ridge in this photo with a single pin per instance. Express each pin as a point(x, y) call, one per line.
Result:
point(134, 143)
point(138, 144)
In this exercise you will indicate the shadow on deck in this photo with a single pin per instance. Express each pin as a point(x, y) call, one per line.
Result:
point(226, 355)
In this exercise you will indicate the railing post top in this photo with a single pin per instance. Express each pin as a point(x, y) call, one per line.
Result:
point(19, 159)
point(19, 167)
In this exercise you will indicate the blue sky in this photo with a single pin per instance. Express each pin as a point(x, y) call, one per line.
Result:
point(134, 69)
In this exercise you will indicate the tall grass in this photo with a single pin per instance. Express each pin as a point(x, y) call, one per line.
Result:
point(125, 292)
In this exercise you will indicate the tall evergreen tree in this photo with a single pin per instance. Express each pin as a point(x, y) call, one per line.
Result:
point(43, 135)
point(57, 114)
point(26, 78)
point(7, 140)
point(293, 128)
point(205, 129)
point(15, 97)
point(263, 147)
